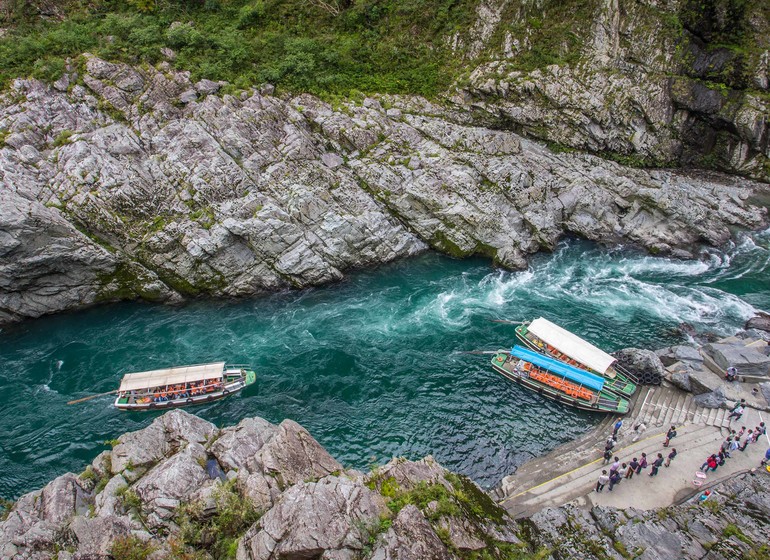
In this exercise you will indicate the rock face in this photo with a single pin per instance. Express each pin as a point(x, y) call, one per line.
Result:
point(169, 505)
point(662, 83)
point(136, 183)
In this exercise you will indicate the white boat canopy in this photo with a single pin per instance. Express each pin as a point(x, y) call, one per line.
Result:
point(171, 376)
point(571, 345)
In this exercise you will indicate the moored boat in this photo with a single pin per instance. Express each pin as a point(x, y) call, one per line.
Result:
point(557, 380)
point(541, 335)
point(181, 386)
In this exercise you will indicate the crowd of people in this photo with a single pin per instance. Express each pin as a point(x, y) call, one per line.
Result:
point(173, 392)
point(738, 440)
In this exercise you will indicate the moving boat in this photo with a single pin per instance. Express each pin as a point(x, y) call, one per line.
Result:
point(181, 386)
point(557, 380)
point(541, 335)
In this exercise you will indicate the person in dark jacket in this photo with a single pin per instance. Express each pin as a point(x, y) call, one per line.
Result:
point(670, 456)
point(656, 464)
point(669, 436)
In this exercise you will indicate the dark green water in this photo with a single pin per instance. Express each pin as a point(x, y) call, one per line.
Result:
point(369, 366)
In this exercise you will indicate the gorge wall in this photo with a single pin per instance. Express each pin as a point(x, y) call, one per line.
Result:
point(123, 182)
point(182, 488)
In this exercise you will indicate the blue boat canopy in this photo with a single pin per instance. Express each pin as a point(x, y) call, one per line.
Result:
point(559, 368)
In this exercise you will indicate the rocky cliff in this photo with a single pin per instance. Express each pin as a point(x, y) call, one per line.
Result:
point(122, 182)
point(182, 488)
point(645, 82)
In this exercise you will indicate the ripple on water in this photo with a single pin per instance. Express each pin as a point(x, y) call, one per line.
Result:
point(369, 366)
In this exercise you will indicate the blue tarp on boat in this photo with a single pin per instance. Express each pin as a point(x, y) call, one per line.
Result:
point(559, 368)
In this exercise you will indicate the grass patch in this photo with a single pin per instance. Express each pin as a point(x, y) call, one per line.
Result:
point(218, 534)
point(131, 548)
point(63, 138)
point(393, 46)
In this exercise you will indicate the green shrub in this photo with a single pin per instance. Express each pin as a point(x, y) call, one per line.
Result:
point(63, 138)
point(131, 548)
point(220, 533)
point(5, 508)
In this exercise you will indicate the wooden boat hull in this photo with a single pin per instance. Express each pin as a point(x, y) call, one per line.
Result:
point(607, 403)
point(618, 384)
point(229, 389)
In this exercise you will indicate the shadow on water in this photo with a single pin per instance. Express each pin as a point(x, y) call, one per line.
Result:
point(370, 366)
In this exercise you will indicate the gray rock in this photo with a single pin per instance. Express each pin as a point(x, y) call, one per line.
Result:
point(462, 534)
point(236, 196)
point(747, 360)
point(681, 380)
point(292, 455)
point(207, 87)
point(236, 445)
point(332, 160)
point(62, 498)
point(680, 353)
point(659, 541)
point(410, 537)
point(107, 502)
point(408, 474)
point(188, 96)
point(714, 399)
point(166, 435)
point(95, 536)
point(174, 479)
point(315, 519)
point(761, 321)
point(168, 53)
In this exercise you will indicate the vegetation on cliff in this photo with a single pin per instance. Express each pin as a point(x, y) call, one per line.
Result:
point(368, 45)
point(342, 46)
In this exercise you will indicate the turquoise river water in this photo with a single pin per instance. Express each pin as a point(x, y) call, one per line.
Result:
point(370, 366)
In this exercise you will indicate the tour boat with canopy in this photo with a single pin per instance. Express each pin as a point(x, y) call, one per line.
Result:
point(541, 335)
point(557, 380)
point(181, 386)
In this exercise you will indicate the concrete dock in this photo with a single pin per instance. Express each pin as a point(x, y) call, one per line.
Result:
point(569, 473)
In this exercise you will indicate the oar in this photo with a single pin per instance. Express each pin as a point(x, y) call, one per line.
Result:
point(477, 352)
point(93, 397)
point(507, 322)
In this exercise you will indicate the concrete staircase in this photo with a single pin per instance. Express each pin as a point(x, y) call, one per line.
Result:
point(570, 471)
point(664, 406)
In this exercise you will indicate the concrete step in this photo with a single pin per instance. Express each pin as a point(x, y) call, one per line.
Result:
point(685, 414)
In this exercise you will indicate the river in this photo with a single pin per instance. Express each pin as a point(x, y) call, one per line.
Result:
point(371, 366)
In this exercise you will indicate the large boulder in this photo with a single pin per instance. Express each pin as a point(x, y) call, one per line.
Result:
point(747, 359)
point(688, 355)
point(712, 399)
point(95, 536)
point(641, 362)
point(292, 455)
point(411, 537)
point(761, 321)
point(173, 480)
point(331, 518)
point(408, 474)
point(164, 437)
point(62, 498)
point(237, 444)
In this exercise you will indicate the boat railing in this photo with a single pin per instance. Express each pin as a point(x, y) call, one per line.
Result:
point(237, 366)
